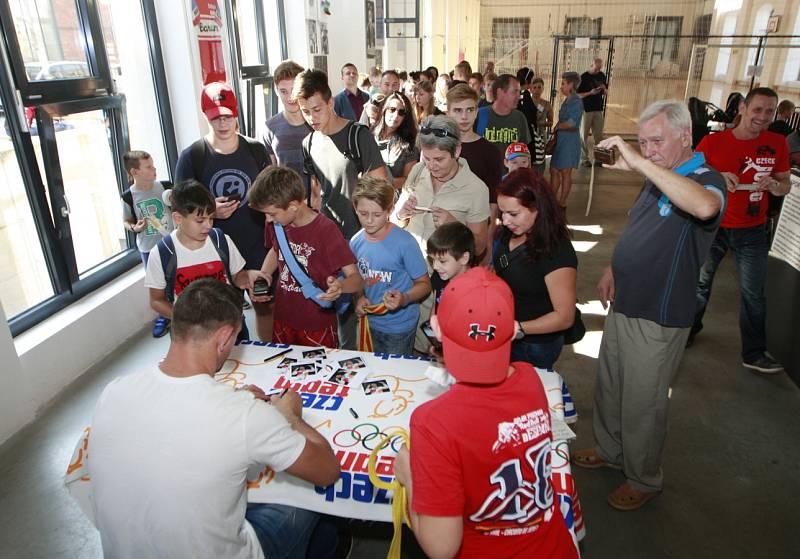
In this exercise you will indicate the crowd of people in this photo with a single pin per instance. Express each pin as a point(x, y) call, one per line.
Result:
point(420, 198)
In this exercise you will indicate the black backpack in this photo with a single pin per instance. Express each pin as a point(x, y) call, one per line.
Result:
point(353, 152)
point(169, 259)
point(127, 195)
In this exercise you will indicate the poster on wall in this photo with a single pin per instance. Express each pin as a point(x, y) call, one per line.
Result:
point(323, 38)
point(369, 14)
point(321, 63)
point(207, 22)
point(311, 30)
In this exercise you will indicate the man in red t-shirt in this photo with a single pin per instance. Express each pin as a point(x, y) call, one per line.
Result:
point(753, 161)
point(478, 473)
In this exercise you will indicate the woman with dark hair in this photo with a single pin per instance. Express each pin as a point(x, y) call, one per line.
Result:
point(424, 105)
point(534, 255)
point(396, 135)
point(567, 153)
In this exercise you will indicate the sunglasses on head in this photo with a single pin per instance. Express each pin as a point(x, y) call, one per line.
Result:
point(398, 110)
point(438, 132)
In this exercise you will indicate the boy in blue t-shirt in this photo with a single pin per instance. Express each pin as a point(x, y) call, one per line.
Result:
point(394, 270)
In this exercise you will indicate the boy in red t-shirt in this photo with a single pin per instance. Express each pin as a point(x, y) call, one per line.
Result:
point(485, 490)
point(318, 247)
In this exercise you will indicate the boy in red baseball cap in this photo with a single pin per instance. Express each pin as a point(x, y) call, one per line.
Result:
point(478, 475)
point(517, 156)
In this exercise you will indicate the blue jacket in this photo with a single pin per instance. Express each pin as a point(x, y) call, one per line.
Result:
point(342, 106)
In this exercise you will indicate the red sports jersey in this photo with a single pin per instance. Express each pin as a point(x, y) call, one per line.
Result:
point(483, 453)
point(750, 160)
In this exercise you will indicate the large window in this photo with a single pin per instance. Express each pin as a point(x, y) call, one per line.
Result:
point(85, 85)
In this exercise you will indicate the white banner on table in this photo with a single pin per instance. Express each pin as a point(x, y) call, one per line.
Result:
point(352, 421)
point(786, 244)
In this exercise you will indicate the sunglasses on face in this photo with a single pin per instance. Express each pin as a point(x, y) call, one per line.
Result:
point(398, 110)
point(438, 132)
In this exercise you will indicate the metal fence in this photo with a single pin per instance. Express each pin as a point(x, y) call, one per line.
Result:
point(647, 68)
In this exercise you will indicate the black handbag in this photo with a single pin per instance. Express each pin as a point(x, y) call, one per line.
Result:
point(575, 333)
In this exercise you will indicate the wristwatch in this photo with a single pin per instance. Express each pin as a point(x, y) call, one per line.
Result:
point(519, 334)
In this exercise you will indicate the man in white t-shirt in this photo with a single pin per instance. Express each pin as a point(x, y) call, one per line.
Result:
point(171, 449)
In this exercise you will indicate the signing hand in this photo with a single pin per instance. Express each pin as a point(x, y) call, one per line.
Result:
point(256, 391)
point(334, 290)
point(767, 183)
point(289, 404)
point(225, 207)
point(393, 299)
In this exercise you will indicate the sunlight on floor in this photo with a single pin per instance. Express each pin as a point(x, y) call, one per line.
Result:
point(593, 307)
point(590, 344)
point(583, 246)
point(592, 229)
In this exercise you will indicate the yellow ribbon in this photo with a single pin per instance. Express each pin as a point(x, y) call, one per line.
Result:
point(399, 501)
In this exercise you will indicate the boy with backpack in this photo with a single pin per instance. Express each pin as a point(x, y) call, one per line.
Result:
point(195, 249)
point(144, 212)
point(309, 252)
point(394, 271)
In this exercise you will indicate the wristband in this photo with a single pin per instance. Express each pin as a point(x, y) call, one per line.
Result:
point(520, 333)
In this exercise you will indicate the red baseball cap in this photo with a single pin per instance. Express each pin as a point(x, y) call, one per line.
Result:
point(516, 149)
point(217, 99)
point(476, 317)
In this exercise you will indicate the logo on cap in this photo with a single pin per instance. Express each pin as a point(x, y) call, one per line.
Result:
point(475, 331)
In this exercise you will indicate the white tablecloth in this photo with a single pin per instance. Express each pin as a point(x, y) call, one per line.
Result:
point(351, 421)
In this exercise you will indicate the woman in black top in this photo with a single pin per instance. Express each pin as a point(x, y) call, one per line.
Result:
point(396, 136)
point(535, 257)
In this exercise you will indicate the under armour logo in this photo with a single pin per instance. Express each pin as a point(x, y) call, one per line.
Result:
point(475, 331)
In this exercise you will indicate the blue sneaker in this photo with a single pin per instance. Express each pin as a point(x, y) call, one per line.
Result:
point(161, 327)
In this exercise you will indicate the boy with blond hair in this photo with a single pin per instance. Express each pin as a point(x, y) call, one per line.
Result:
point(394, 270)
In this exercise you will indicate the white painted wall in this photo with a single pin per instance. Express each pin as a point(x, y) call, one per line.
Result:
point(347, 36)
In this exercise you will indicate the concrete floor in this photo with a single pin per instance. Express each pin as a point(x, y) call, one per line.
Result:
point(731, 463)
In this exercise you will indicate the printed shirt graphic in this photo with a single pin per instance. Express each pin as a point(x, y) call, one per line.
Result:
point(504, 130)
point(321, 249)
point(191, 265)
point(391, 263)
point(496, 474)
point(148, 205)
point(750, 160)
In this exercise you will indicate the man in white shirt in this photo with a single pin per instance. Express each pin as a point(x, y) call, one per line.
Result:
point(171, 449)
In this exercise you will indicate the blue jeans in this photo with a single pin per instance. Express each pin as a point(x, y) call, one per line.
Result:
point(291, 533)
point(396, 344)
point(749, 247)
point(542, 355)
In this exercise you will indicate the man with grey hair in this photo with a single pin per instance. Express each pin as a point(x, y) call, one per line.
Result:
point(651, 287)
point(593, 90)
point(439, 189)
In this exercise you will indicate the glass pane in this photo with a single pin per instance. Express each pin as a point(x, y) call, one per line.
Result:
point(50, 39)
point(260, 100)
point(248, 40)
point(124, 37)
point(24, 280)
point(90, 184)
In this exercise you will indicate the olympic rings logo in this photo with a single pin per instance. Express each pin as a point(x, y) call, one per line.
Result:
point(368, 434)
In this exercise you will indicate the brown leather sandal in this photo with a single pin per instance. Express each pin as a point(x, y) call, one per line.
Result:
point(626, 497)
point(590, 459)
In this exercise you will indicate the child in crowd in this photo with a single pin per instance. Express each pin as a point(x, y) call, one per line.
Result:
point(451, 252)
point(394, 270)
point(304, 314)
point(195, 249)
point(144, 212)
point(518, 156)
